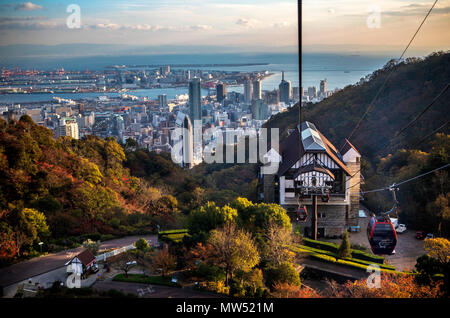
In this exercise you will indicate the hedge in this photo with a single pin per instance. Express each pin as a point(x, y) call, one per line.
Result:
point(332, 247)
point(173, 231)
point(349, 263)
point(307, 249)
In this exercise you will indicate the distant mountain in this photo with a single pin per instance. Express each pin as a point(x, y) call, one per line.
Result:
point(413, 84)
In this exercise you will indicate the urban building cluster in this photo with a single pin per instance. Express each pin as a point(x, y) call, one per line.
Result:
point(312, 95)
point(211, 102)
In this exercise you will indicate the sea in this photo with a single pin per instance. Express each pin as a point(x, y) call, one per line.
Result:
point(339, 70)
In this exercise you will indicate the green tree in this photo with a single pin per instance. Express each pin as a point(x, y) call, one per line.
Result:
point(92, 246)
point(141, 244)
point(234, 249)
point(209, 217)
point(33, 225)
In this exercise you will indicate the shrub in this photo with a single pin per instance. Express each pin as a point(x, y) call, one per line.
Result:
point(344, 250)
point(283, 273)
point(211, 272)
point(141, 244)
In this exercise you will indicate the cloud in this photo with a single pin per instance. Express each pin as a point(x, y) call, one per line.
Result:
point(280, 25)
point(248, 23)
point(199, 27)
point(147, 27)
point(28, 6)
point(26, 23)
point(416, 10)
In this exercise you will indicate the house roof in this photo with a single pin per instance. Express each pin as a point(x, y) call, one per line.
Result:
point(312, 140)
point(348, 146)
point(86, 257)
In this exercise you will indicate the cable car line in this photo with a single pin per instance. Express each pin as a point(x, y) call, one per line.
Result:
point(409, 125)
point(406, 181)
point(431, 134)
point(412, 122)
point(388, 76)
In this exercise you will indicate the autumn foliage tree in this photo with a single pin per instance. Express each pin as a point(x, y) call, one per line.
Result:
point(164, 261)
point(391, 286)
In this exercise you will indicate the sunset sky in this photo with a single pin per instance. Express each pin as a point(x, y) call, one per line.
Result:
point(244, 25)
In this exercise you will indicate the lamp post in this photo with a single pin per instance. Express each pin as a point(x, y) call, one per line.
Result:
point(40, 244)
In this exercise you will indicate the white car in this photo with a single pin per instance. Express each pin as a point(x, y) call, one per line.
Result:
point(401, 228)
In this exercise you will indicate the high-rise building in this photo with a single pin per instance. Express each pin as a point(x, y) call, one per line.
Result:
point(221, 91)
point(257, 89)
point(247, 90)
point(165, 70)
point(68, 127)
point(162, 100)
point(259, 109)
point(188, 143)
point(312, 92)
point(195, 99)
point(296, 93)
point(272, 97)
point(323, 86)
point(285, 90)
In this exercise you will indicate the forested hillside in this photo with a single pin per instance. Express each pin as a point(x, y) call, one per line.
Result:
point(62, 191)
point(58, 191)
point(410, 88)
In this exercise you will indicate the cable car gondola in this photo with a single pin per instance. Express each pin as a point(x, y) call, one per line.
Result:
point(381, 232)
point(302, 213)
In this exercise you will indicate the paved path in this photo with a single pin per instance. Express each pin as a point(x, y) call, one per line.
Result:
point(336, 269)
point(152, 291)
point(40, 265)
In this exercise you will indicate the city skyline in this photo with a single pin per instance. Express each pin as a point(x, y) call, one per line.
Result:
point(241, 26)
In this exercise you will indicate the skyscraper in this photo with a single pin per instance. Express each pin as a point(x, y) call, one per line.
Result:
point(188, 144)
point(195, 99)
point(296, 93)
point(323, 86)
point(285, 90)
point(221, 91)
point(257, 89)
point(165, 70)
point(247, 90)
point(312, 92)
point(259, 109)
point(162, 100)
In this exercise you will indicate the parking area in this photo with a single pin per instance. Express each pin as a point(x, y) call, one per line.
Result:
point(406, 253)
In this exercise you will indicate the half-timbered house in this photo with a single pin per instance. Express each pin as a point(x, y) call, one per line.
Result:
point(312, 166)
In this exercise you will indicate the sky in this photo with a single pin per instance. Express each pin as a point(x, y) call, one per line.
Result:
point(239, 25)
